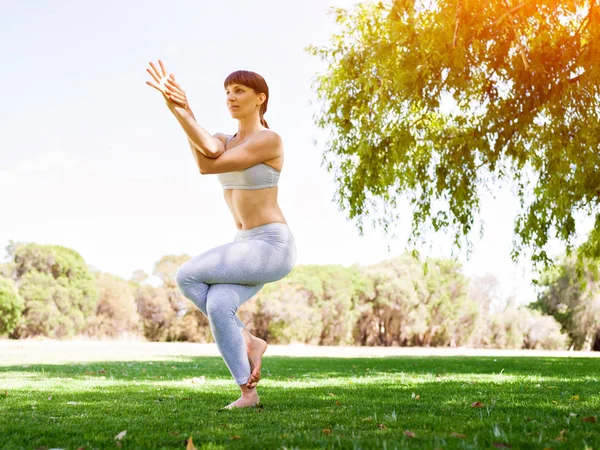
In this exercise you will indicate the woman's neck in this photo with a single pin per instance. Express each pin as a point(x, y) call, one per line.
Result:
point(247, 128)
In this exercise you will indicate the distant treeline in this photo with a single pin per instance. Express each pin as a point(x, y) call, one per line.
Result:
point(49, 290)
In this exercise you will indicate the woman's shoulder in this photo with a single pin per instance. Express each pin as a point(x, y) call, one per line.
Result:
point(270, 136)
point(221, 136)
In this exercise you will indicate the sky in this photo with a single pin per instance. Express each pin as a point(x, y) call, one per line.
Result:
point(92, 159)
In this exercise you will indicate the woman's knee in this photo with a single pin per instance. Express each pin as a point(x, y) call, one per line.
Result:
point(185, 275)
point(221, 301)
point(190, 287)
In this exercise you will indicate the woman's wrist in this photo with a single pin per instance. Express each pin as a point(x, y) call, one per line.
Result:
point(189, 111)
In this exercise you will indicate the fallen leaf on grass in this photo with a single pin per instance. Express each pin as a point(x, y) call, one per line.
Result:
point(381, 426)
point(575, 397)
point(501, 445)
point(409, 433)
point(476, 405)
point(561, 437)
point(190, 444)
point(331, 395)
point(458, 435)
point(235, 436)
point(337, 402)
point(326, 431)
point(590, 419)
point(121, 435)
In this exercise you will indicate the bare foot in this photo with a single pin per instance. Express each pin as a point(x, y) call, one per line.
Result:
point(255, 349)
point(245, 401)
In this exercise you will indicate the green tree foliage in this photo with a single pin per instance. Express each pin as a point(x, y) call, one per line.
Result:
point(58, 290)
point(575, 305)
point(411, 305)
point(402, 301)
point(11, 305)
point(156, 313)
point(166, 315)
point(336, 292)
point(433, 100)
point(116, 313)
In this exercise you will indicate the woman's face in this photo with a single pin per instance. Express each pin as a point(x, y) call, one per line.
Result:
point(242, 100)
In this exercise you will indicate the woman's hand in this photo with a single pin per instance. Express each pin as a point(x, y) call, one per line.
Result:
point(167, 85)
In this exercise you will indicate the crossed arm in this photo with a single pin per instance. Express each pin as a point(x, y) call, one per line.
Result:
point(209, 151)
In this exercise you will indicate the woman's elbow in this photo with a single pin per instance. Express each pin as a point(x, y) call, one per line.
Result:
point(204, 170)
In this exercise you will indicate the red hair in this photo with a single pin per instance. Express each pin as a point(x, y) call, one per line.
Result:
point(253, 81)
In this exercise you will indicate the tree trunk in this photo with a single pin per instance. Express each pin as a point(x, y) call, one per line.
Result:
point(596, 342)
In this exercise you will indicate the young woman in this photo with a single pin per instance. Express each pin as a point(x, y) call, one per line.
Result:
point(247, 165)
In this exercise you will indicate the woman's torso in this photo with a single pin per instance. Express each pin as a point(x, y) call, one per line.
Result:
point(253, 208)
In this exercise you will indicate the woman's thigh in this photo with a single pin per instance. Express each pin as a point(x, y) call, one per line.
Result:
point(250, 261)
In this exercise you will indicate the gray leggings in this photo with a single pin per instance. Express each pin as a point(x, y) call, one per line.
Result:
point(219, 280)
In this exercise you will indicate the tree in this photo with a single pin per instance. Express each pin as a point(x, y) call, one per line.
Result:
point(575, 305)
point(59, 291)
point(116, 310)
point(434, 100)
point(11, 305)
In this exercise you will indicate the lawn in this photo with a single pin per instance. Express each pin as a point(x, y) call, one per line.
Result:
point(462, 402)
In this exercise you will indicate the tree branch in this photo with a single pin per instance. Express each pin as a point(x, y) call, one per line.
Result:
point(515, 9)
point(457, 18)
point(586, 20)
point(518, 36)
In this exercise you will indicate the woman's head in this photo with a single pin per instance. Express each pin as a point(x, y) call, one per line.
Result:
point(248, 91)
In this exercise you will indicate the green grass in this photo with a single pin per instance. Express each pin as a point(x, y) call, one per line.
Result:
point(361, 403)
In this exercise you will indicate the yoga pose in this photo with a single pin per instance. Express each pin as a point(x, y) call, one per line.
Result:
point(263, 250)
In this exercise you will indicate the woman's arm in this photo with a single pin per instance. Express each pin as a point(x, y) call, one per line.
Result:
point(200, 140)
point(260, 147)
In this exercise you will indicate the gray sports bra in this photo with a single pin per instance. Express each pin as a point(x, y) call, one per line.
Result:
point(260, 176)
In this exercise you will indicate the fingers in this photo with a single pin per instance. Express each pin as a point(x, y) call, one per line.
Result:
point(154, 72)
point(154, 85)
point(178, 102)
point(177, 98)
point(171, 80)
point(166, 84)
point(174, 88)
point(164, 69)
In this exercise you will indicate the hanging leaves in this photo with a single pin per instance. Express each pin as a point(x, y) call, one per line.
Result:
point(432, 101)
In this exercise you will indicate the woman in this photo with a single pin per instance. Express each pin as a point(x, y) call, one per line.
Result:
point(247, 165)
